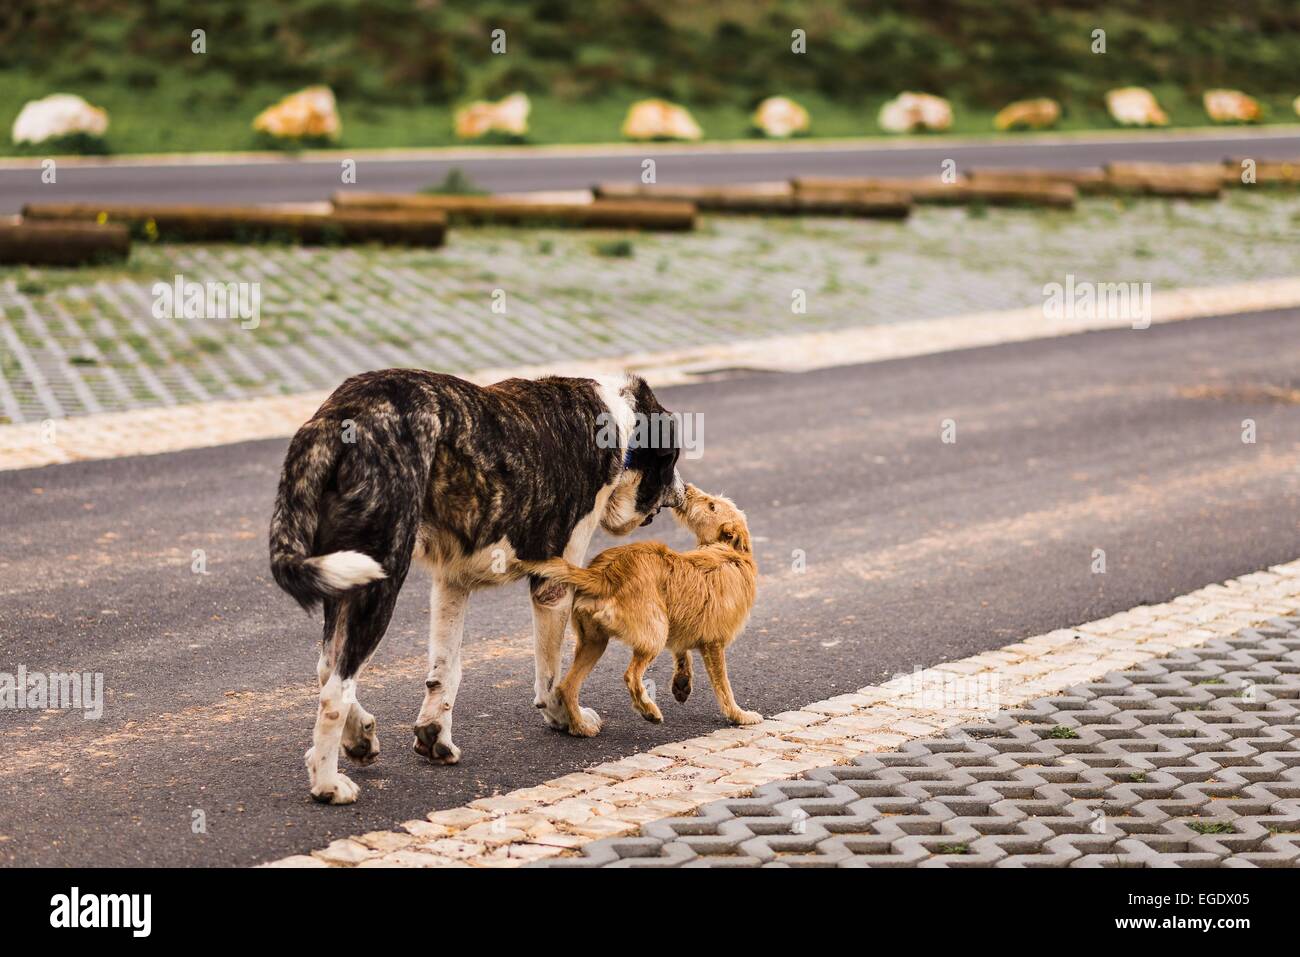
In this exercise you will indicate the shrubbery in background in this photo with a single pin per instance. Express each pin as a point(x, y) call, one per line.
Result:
point(983, 52)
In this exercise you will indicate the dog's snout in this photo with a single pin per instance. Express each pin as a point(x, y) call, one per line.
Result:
point(675, 495)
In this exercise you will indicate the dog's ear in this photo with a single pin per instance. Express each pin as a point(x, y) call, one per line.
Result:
point(736, 535)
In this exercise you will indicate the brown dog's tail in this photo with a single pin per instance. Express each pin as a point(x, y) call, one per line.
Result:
point(583, 580)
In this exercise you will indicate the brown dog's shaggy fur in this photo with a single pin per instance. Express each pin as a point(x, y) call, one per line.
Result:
point(651, 597)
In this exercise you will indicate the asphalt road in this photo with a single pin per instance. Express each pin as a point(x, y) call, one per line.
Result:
point(291, 180)
point(916, 552)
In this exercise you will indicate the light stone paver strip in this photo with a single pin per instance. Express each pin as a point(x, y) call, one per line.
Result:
point(76, 342)
point(614, 799)
point(1190, 760)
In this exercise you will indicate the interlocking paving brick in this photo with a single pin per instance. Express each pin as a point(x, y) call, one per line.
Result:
point(1191, 760)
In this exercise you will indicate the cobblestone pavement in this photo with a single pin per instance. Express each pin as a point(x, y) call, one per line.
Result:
point(82, 342)
point(1192, 760)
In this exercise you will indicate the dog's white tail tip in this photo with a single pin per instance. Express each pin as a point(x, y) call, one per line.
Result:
point(340, 571)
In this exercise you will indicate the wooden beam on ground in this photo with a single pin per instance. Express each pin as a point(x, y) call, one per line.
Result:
point(253, 224)
point(483, 210)
point(62, 244)
point(1086, 181)
point(931, 189)
point(1267, 172)
point(773, 199)
point(1174, 180)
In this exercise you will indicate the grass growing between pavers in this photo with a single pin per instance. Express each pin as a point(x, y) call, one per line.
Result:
point(500, 296)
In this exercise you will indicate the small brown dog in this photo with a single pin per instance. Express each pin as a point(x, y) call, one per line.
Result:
point(651, 597)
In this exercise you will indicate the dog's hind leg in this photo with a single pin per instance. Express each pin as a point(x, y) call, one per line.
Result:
point(592, 640)
point(360, 741)
point(551, 606)
point(356, 624)
point(446, 630)
point(715, 663)
point(641, 699)
point(682, 675)
point(336, 698)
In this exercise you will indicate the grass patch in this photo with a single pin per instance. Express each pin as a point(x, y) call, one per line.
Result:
point(456, 183)
point(953, 849)
point(1061, 731)
point(614, 248)
point(1212, 827)
point(77, 144)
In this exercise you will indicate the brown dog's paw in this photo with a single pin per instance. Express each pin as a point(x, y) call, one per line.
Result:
point(745, 717)
point(681, 687)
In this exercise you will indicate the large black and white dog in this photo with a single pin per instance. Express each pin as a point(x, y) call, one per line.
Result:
point(404, 464)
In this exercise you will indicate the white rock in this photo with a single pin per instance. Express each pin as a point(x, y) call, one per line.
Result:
point(660, 120)
point(1231, 106)
point(309, 112)
point(908, 112)
point(509, 116)
point(1135, 106)
point(780, 117)
point(61, 114)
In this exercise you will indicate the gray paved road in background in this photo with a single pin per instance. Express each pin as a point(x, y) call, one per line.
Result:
point(292, 181)
point(916, 552)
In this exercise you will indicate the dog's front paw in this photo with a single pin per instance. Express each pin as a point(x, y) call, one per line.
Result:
point(650, 711)
point(588, 727)
point(746, 717)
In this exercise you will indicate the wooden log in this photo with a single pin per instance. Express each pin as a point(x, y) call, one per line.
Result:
point(1267, 172)
point(62, 244)
point(1086, 181)
point(481, 210)
point(932, 190)
point(770, 199)
point(253, 224)
point(1181, 180)
point(1164, 170)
